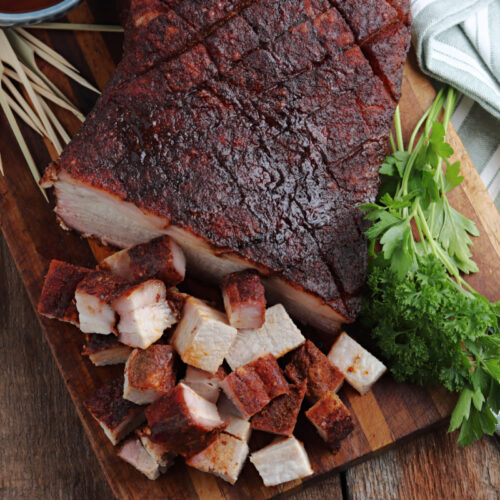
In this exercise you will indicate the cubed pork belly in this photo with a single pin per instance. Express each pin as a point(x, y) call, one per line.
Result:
point(57, 300)
point(360, 368)
point(203, 336)
point(332, 419)
point(94, 295)
point(280, 415)
point(310, 364)
point(150, 374)
point(160, 453)
point(117, 416)
point(244, 299)
point(278, 335)
point(254, 385)
point(224, 457)
point(144, 313)
point(268, 370)
point(134, 453)
point(238, 426)
point(105, 350)
point(281, 461)
point(159, 258)
point(206, 384)
point(184, 421)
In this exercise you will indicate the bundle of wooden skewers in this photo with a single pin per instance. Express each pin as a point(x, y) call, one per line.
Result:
point(27, 93)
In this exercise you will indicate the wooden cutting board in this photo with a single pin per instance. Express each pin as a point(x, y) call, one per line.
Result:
point(390, 413)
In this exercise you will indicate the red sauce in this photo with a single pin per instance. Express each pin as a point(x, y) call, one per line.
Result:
point(17, 6)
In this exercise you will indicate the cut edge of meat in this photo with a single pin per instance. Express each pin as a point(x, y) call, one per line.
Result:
point(95, 212)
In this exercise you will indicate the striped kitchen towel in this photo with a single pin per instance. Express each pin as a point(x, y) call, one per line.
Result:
point(458, 42)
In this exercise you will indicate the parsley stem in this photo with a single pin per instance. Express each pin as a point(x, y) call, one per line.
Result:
point(417, 225)
point(393, 144)
point(451, 98)
point(451, 268)
point(435, 248)
point(399, 130)
point(416, 129)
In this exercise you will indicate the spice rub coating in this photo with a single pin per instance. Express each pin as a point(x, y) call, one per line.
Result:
point(309, 364)
point(280, 415)
point(242, 132)
point(58, 294)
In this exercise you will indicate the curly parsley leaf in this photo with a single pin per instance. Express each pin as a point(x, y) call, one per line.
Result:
point(431, 327)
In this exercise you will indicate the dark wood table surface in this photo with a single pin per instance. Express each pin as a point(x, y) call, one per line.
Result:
point(45, 453)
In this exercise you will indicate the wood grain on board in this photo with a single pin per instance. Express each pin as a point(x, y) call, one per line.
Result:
point(391, 413)
point(45, 453)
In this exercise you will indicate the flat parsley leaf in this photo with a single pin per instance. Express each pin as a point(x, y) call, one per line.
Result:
point(429, 325)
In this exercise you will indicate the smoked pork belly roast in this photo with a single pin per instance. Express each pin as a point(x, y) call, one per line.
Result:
point(248, 131)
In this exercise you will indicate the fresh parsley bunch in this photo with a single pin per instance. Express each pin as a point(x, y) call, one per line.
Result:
point(431, 326)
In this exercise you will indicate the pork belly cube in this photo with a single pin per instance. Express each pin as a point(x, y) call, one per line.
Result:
point(149, 374)
point(224, 457)
point(310, 364)
point(238, 426)
point(117, 416)
point(206, 384)
point(267, 368)
point(244, 299)
point(203, 336)
point(160, 453)
point(184, 421)
point(105, 350)
point(253, 386)
point(160, 258)
point(360, 368)
point(280, 415)
point(93, 297)
point(246, 391)
point(332, 419)
point(281, 461)
point(278, 335)
point(57, 300)
point(144, 313)
point(134, 453)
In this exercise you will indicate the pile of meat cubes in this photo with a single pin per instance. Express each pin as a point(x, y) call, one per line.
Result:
point(197, 380)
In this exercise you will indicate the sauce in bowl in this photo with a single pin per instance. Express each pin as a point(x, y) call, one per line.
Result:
point(18, 6)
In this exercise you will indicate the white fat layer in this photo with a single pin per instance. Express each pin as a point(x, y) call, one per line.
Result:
point(94, 212)
point(128, 424)
point(206, 384)
point(178, 258)
point(224, 458)
point(119, 264)
point(228, 391)
point(278, 335)
point(202, 411)
point(144, 314)
point(143, 295)
point(307, 308)
point(243, 316)
point(238, 427)
point(114, 356)
point(360, 368)
point(94, 314)
point(158, 451)
point(282, 461)
point(203, 337)
point(136, 455)
point(139, 396)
